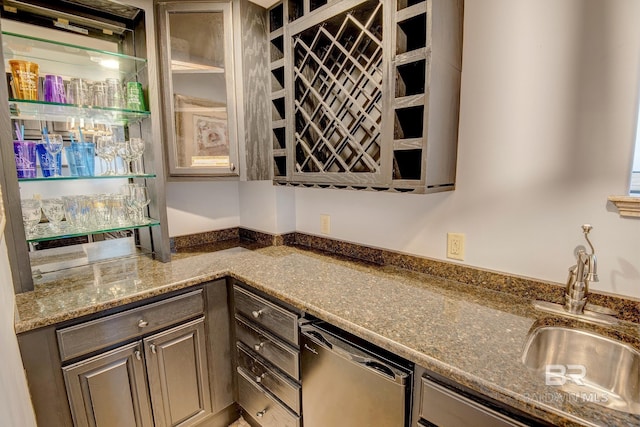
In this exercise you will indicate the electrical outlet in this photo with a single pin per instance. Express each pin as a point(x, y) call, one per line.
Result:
point(455, 246)
point(325, 224)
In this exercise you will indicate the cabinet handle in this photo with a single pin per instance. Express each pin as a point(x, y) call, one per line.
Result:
point(259, 378)
point(258, 346)
point(152, 347)
point(142, 323)
point(261, 413)
point(138, 354)
point(232, 166)
point(257, 313)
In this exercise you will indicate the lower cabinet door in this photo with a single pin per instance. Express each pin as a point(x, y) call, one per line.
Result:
point(109, 390)
point(178, 375)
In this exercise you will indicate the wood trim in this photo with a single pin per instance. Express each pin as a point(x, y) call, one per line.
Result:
point(627, 206)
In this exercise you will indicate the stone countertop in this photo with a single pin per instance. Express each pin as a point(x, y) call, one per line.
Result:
point(466, 333)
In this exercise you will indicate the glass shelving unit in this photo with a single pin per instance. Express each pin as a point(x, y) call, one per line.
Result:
point(44, 232)
point(78, 178)
point(22, 109)
point(87, 63)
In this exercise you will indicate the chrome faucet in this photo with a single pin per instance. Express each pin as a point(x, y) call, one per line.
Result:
point(580, 275)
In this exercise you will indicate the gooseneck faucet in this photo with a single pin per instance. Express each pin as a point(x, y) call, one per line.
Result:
point(580, 275)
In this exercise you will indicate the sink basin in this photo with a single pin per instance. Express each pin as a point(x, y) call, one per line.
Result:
point(586, 365)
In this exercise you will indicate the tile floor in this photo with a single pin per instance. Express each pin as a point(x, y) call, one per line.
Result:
point(240, 422)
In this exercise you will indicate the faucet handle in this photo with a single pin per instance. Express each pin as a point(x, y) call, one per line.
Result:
point(587, 228)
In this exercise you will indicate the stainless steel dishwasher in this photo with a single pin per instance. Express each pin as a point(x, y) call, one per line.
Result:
point(344, 384)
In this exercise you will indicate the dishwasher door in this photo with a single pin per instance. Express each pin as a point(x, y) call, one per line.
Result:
point(345, 386)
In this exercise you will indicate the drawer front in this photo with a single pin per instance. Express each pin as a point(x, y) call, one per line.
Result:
point(279, 385)
point(268, 347)
point(90, 336)
point(444, 407)
point(278, 320)
point(263, 407)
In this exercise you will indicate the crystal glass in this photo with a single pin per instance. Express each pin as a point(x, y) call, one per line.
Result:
point(128, 191)
point(31, 214)
point(100, 210)
point(127, 154)
point(54, 211)
point(136, 145)
point(106, 150)
point(141, 199)
point(53, 145)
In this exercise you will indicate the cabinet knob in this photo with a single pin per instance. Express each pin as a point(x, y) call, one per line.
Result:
point(258, 346)
point(261, 413)
point(259, 378)
point(138, 354)
point(232, 166)
point(152, 347)
point(142, 323)
point(256, 313)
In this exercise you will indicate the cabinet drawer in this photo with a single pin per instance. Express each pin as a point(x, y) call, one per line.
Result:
point(278, 320)
point(444, 407)
point(263, 407)
point(90, 336)
point(268, 347)
point(279, 385)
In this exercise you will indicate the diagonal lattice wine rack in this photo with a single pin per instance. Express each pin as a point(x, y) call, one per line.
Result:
point(337, 82)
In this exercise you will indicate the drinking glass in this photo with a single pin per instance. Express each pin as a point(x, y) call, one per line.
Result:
point(53, 145)
point(100, 210)
point(119, 209)
point(127, 154)
point(128, 191)
point(106, 150)
point(54, 211)
point(78, 92)
point(115, 93)
point(31, 214)
point(136, 146)
point(140, 201)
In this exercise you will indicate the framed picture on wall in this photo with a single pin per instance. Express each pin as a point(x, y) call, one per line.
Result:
point(202, 139)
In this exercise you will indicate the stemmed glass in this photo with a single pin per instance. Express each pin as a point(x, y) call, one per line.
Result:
point(106, 150)
point(126, 153)
point(136, 146)
point(54, 211)
point(140, 199)
point(53, 145)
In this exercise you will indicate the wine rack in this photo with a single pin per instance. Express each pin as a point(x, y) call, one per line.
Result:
point(370, 90)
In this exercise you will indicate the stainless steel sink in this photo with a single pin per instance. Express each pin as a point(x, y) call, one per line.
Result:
point(586, 365)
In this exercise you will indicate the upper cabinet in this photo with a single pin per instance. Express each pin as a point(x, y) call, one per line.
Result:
point(199, 88)
point(208, 56)
point(365, 94)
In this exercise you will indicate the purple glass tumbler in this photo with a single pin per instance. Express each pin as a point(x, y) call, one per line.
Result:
point(54, 89)
point(25, 156)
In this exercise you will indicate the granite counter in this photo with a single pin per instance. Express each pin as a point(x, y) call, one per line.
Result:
point(466, 333)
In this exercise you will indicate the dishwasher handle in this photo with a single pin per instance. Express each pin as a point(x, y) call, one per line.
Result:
point(342, 348)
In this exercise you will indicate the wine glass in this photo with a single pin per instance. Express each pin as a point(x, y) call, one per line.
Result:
point(127, 190)
point(106, 150)
point(140, 199)
point(137, 148)
point(54, 211)
point(53, 145)
point(127, 155)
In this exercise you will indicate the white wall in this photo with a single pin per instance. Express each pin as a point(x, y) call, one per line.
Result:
point(267, 208)
point(15, 402)
point(195, 207)
point(547, 126)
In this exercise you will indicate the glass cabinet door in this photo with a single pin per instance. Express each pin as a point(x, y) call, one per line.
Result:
point(199, 88)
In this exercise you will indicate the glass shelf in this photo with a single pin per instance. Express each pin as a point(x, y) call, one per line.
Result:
point(44, 232)
point(75, 178)
point(39, 110)
point(52, 57)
